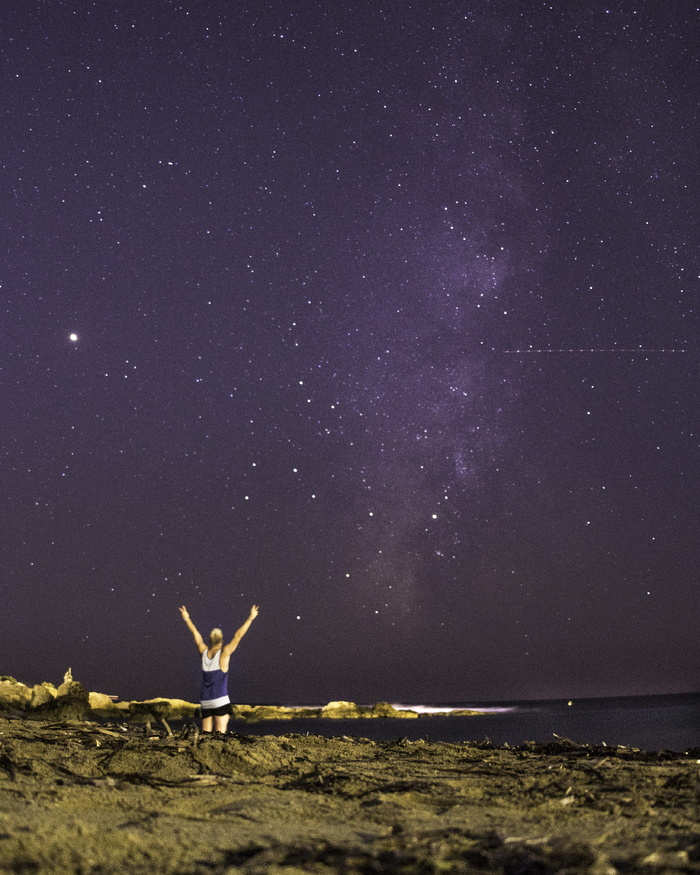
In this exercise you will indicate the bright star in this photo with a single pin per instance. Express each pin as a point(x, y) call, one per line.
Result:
point(73, 337)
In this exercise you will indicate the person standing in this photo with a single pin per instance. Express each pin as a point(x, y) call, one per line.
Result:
point(214, 698)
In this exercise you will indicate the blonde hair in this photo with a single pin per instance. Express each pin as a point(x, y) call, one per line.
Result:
point(216, 636)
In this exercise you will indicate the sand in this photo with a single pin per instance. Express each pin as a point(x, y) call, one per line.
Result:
point(89, 798)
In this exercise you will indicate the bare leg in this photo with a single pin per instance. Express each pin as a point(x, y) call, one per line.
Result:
point(221, 722)
point(207, 724)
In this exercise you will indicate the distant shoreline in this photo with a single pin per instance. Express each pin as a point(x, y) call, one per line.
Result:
point(72, 701)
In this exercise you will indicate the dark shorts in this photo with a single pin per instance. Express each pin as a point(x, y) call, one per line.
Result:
point(216, 712)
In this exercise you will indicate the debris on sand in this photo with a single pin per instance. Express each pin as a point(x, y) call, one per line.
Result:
point(76, 796)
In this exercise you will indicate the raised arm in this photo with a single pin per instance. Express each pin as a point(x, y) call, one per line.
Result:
point(198, 640)
point(228, 649)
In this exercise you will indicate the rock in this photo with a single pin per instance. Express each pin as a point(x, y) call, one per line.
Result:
point(13, 694)
point(72, 688)
point(670, 862)
point(304, 712)
point(154, 710)
point(161, 709)
point(384, 709)
point(42, 693)
point(332, 711)
point(72, 702)
point(103, 706)
point(267, 712)
point(149, 712)
point(182, 710)
point(340, 710)
point(351, 711)
point(146, 712)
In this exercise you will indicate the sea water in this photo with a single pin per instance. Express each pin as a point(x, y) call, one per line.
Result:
point(669, 722)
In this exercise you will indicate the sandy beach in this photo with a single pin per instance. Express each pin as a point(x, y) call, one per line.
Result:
point(88, 797)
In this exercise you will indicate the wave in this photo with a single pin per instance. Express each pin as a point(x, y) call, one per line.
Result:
point(435, 709)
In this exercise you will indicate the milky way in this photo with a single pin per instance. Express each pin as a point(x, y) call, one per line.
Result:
point(384, 319)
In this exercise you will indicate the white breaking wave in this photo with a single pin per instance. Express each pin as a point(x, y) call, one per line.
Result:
point(432, 709)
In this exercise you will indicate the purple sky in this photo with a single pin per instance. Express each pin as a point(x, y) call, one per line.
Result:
point(308, 251)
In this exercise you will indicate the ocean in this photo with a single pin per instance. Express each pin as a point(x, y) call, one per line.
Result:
point(668, 722)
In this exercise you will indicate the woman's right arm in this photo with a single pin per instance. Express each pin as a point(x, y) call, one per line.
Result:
point(198, 640)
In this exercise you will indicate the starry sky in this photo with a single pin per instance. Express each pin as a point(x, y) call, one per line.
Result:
point(380, 315)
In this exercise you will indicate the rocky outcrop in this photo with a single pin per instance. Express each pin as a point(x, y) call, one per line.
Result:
point(340, 710)
point(160, 709)
point(384, 709)
point(71, 701)
point(42, 693)
point(261, 712)
point(333, 711)
point(349, 711)
point(271, 712)
point(14, 696)
point(102, 705)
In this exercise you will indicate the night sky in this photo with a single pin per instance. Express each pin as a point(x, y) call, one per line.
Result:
point(380, 315)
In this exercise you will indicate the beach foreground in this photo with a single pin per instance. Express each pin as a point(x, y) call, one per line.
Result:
point(83, 797)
